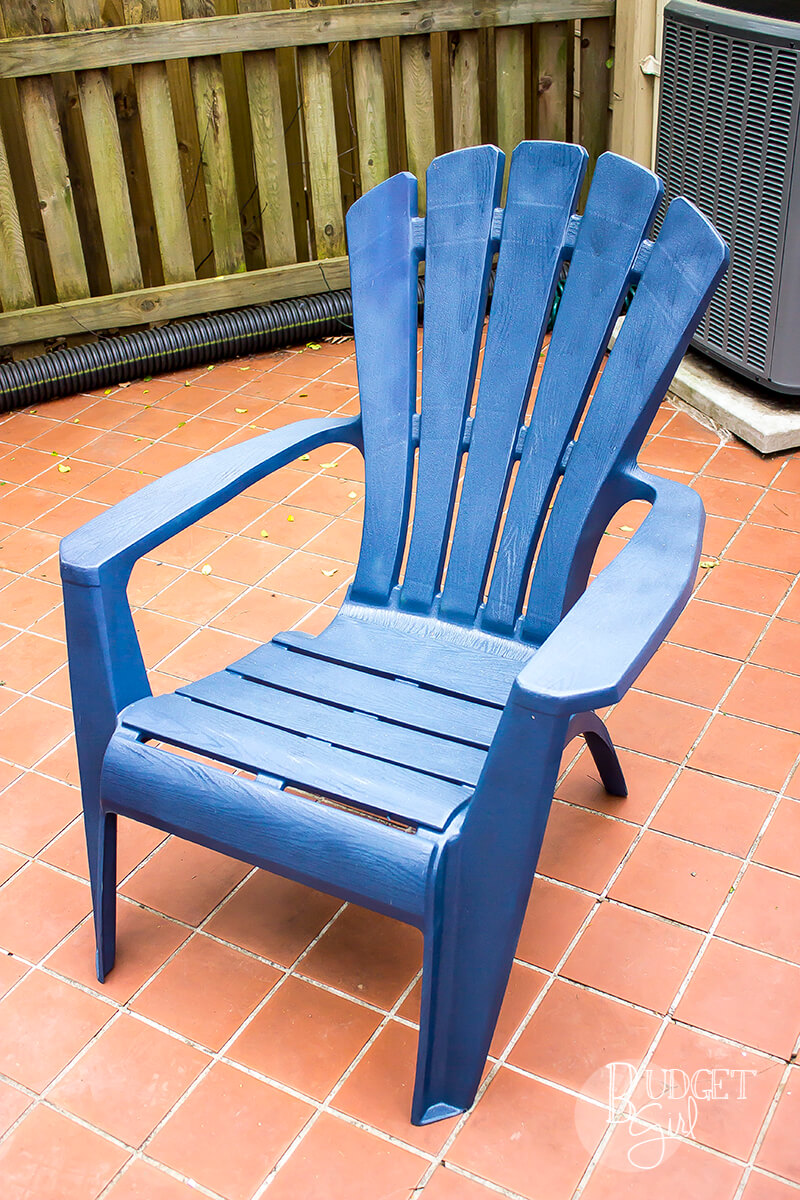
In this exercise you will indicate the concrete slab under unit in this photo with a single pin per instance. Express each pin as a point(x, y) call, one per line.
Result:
point(765, 420)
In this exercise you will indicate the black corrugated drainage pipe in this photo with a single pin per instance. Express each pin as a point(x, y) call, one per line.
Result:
point(181, 344)
point(176, 346)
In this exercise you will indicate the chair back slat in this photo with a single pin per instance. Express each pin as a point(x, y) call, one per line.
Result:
point(463, 191)
point(544, 184)
point(384, 260)
point(619, 210)
point(686, 263)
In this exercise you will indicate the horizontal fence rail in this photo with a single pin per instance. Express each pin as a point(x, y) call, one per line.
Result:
point(171, 157)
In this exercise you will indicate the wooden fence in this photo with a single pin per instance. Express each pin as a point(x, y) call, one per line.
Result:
point(168, 157)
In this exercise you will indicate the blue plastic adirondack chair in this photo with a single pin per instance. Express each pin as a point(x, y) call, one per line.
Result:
point(435, 708)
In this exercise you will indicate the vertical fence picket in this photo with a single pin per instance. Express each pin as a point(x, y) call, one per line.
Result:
point(269, 151)
point(369, 97)
point(236, 95)
point(322, 150)
point(163, 161)
point(465, 89)
point(16, 288)
point(594, 115)
point(415, 57)
point(216, 152)
point(188, 139)
point(105, 155)
point(510, 66)
point(50, 170)
point(554, 99)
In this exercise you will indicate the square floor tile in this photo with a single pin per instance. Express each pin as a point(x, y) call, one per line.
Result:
point(38, 907)
point(746, 752)
point(128, 1079)
point(766, 695)
point(366, 955)
point(675, 879)
point(185, 881)
point(50, 1157)
point(554, 915)
point(575, 1035)
point(231, 983)
point(717, 1092)
point(229, 1132)
point(764, 912)
point(305, 1037)
point(529, 1137)
point(43, 1024)
point(633, 956)
point(654, 725)
point(274, 917)
point(745, 996)
point(338, 1161)
point(714, 812)
point(583, 848)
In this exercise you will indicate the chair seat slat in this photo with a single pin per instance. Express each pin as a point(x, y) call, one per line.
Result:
point(303, 762)
point(386, 740)
point(456, 667)
point(364, 691)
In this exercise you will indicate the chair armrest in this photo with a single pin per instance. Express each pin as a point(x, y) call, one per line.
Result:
point(111, 543)
point(106, 668)
point(600, 646)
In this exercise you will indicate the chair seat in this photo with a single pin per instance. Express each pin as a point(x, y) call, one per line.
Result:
point(365, 713)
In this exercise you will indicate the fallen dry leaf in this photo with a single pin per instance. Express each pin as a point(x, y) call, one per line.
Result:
point(331, 572)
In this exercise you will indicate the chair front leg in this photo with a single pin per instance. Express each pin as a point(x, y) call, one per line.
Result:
point(478, 895)
point(106, 673)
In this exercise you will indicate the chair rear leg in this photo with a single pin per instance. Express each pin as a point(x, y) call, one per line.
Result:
point(602, 750)
point(101, 845)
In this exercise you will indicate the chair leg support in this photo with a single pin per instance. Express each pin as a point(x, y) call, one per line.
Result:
point(101, 843)
point(602, 750)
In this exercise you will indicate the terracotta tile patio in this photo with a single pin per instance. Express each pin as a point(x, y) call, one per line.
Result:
point(257, 1038)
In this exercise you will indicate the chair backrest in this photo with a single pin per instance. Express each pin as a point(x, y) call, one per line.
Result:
point(440, 471)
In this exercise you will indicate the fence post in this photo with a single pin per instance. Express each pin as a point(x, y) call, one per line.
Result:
point(633, 92)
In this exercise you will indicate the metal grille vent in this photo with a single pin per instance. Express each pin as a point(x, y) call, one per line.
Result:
point(726, 126)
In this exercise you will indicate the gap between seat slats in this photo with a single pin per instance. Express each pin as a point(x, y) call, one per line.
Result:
point(398, 700)
point(349, 730)
point(404, 793)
